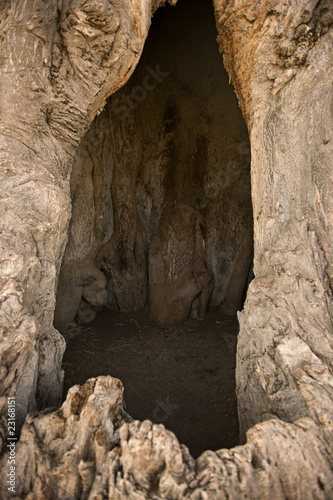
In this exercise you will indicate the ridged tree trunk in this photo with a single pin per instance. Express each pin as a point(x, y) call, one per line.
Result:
point(59, 62)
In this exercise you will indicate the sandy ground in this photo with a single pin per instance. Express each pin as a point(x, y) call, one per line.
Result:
point(182, 376)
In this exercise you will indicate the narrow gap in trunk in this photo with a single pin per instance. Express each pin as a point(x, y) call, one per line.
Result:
point(160, 242)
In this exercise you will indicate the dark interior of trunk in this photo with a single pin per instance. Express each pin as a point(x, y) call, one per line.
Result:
point(160, 243)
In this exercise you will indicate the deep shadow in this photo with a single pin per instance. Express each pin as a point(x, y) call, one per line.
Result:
point(182, 376)
point(180, 166)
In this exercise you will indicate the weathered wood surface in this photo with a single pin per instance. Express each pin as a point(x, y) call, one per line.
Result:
point(59, 62)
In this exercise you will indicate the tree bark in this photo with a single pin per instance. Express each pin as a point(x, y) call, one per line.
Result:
point(59, 64)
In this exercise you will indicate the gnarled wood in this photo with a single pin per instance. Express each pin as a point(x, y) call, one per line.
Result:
point(59, 62)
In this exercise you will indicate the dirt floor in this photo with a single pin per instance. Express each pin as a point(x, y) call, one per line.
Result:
point(182, 376)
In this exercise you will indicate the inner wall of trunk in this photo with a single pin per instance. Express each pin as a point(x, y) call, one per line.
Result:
point(162, 214)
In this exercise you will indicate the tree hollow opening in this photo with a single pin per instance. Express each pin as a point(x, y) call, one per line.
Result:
point(162, 227)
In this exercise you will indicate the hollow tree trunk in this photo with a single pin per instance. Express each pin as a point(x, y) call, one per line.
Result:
point(58, 67)
point(285, 347)
point(279, 56)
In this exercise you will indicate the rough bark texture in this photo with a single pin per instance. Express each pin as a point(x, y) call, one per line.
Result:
point(161, 186)
point(59, 63)
point(279, 56)
point(90, 449)
point(288, 105)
